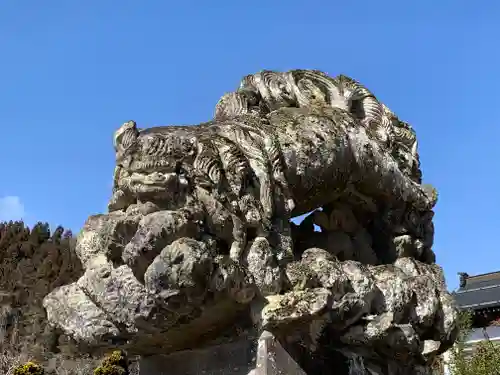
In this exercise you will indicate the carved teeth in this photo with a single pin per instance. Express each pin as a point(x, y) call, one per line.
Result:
point(154, 177)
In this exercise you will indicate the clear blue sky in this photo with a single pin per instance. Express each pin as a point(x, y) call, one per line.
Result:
point(72, 71)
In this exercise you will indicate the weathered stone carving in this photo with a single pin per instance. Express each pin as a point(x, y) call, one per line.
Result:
point(198, 232)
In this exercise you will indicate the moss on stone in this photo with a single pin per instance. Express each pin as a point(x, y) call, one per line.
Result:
point(114, 364)
point(29, 368)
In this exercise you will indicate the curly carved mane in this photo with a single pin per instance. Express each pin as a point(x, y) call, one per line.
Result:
point(266, 91)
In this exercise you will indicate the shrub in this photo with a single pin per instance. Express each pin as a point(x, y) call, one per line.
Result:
point(29, 368)
point(115, 364)
point(484, 360)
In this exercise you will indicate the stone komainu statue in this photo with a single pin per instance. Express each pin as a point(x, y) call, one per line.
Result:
point(200, 218)
point(281, 142)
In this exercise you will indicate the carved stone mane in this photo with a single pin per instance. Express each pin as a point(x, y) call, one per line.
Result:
point(266, 91)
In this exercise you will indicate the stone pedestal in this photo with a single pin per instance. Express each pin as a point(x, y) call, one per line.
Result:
point(264, 356)
point(273, 359)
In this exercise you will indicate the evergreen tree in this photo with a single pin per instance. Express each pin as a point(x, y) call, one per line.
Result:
point(483, 360)
point(32, 263)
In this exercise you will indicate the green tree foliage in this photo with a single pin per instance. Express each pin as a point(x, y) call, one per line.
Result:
point(484, 360)
point(32, 263)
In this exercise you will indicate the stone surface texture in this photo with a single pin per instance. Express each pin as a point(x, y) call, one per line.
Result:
point(199, 237)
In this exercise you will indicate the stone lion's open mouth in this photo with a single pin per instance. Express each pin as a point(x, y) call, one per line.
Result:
point(134, 187)
point(155, 182)
point(151, 166)
point(148, 172)
point(155, 178)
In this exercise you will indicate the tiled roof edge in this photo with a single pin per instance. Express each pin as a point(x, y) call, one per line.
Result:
point(475, 277)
